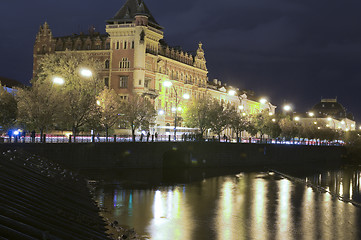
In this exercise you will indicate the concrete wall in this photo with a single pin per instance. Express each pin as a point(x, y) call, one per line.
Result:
point(180, 154)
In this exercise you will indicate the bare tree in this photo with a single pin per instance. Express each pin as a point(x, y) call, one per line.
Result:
point(137, 112)
point(109, 105)
point(8, 110)
point(196, 114)
point(38, 106)
point(78, 92)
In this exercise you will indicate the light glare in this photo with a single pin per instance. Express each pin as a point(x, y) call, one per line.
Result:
point(263, 100)
point(167, 84)
point(186, 96)
point(232, 92)
point(287, 108)
point(58, 80)
point(86, 72)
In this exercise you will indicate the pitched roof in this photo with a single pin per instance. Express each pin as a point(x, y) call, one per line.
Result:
point(10, 83)
point(132, 8)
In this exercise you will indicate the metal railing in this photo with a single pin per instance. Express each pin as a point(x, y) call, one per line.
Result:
point(47, 138)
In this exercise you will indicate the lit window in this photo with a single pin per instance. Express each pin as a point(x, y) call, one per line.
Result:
point(124, 63)
point(123, 81)
point(146, 83)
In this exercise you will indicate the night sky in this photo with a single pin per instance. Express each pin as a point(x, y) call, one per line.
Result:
point(288, 51)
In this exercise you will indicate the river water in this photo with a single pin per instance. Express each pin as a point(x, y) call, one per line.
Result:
point(235, 204)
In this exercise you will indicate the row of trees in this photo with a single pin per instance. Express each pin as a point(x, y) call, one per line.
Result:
point(83, 103)
point(79, 103)
point(208, 113)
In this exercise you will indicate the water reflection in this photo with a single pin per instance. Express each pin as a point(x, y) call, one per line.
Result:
point(345, 183)
point(246, 206)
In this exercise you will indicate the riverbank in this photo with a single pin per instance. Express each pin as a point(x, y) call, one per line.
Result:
point(42, 200)
point(159, 155)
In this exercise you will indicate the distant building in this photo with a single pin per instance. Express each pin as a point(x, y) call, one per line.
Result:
point(9, 84)
point(137, 60)
point(331, 114)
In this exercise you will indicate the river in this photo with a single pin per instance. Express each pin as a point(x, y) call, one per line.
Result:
point(235, 203)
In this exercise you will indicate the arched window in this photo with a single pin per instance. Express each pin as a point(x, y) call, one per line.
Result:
point(106, 64)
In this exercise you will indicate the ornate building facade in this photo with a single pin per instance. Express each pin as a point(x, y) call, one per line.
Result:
point(331, 114)
point(136, 60)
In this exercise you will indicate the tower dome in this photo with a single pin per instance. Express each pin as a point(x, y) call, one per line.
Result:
point(329, 107)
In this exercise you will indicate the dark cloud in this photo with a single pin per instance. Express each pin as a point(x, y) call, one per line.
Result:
point(298, 51)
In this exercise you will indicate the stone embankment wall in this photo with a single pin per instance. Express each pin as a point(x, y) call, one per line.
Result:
point(41, 200)
point(180, 154)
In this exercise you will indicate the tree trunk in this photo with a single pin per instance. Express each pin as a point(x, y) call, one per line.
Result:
point(237, 137)
point(41, 135)
point(74, 133)
point(133, 134)
point(106, 132)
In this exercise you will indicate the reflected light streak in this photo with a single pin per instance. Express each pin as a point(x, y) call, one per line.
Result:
point(170, 216)
point(158, 210)
point(130, 204)
point(308, 224)
point(351, 193)
point(259, 213)
point(326, 215)
point(169, 203)
point(224, 212)
point(284, 214)
point(341, 189)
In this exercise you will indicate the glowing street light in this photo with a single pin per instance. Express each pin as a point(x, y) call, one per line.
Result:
point(297, 118)
point(186, 96)
point(86, 72)
point(232, 92)
point(263, 101)
point(58, 80)
point(311, 114)
point(287, 108)
point(161, 112)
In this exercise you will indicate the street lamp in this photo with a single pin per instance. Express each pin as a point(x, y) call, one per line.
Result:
point(263, 101)
point(86, 72)
point(297, 119)
point(58, 80)
point(176, 108)
point(232, 92)
point(287, 108)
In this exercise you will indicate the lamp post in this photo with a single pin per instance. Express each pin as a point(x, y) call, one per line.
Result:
point(185, 96)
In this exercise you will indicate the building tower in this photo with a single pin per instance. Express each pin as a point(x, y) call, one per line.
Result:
point(44, 43)
point(133, 32)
